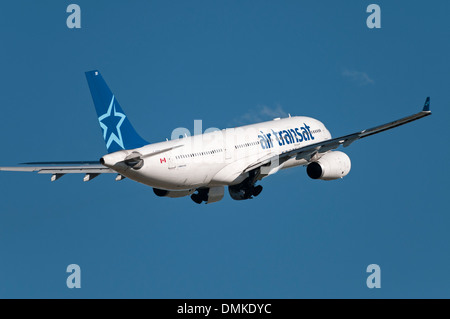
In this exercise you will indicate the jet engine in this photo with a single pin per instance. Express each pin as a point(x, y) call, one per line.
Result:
point(331, 165)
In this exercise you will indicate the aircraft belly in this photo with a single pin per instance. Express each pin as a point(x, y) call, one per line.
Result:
point(172, 178)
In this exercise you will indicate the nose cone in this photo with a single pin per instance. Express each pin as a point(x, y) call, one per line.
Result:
point(113, 159)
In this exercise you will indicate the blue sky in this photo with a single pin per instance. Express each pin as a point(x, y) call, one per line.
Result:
point(227, 63)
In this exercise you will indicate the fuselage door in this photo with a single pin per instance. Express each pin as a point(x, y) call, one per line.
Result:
point(171, 160)
point(229, 143)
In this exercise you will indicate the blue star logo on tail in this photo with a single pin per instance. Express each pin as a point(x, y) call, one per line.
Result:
point(111, 122)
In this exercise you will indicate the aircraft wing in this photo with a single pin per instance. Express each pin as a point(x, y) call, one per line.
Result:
point(308, 152)
point(91, 169)
point(58, 169)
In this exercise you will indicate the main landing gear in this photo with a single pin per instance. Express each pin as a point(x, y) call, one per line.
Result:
point(246, 189)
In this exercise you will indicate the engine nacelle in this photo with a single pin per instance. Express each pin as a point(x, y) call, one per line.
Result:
point(172, 194)
point(331, 165)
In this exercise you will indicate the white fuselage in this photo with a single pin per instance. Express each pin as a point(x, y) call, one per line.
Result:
point(220, 158)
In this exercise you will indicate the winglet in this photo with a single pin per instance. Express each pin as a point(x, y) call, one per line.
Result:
point(426, 106)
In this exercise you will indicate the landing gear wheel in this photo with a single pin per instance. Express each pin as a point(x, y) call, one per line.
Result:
point(196, 198)
point(200, 196)
point(257, 190)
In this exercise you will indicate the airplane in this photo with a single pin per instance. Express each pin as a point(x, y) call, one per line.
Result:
point(202, 165)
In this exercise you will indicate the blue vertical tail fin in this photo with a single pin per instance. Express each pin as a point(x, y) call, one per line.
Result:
point(118, 132)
